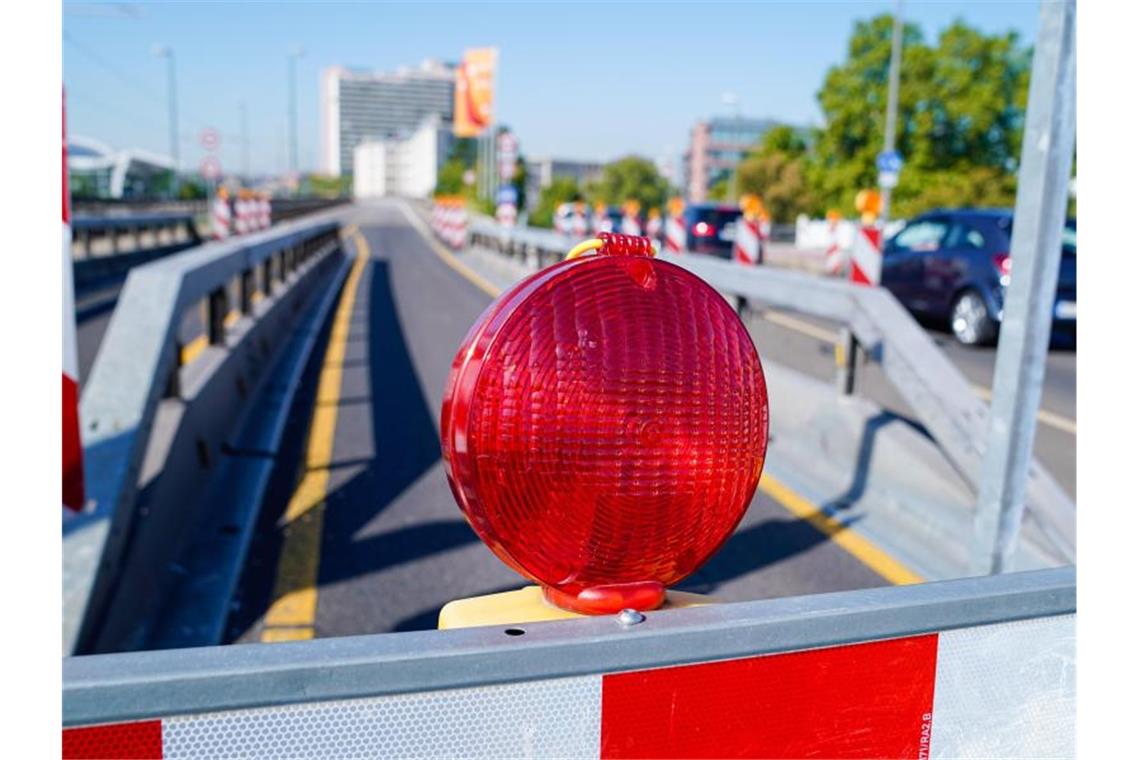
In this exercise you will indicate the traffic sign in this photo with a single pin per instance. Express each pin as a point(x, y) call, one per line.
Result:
point(210, 168)
point(889, 162)
point(209, 139)
point(507, 194)
point(888, 179)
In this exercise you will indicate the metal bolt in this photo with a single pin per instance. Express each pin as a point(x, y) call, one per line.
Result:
point(628, 617)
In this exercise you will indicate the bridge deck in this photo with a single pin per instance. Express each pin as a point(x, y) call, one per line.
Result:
point(383, 538)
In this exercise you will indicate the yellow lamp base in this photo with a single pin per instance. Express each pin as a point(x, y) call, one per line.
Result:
point(527, 605)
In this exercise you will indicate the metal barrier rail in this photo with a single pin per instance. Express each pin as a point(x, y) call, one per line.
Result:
point(175, 228)
point(993, 645)
point(139, 365)
point(931, 385)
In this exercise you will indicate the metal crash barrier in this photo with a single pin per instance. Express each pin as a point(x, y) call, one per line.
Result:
point(162, 423)
point(981, 667)
point(928, 381)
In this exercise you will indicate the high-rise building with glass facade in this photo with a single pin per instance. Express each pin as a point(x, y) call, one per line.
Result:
point(363, 106)
point(716, 146)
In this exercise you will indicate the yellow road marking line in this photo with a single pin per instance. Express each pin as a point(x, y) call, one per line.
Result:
point(862, 549)
point(1052, 419)
point(800, 326)
point(1044, 416)
point(448, 257)
point(293, 612)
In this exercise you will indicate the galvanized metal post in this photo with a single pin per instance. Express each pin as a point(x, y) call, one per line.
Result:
point(846, 352)
point(1042, 194)
point(892, 102)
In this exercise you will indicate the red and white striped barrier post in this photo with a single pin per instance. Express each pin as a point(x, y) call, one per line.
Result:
point(653, 225)
point(73, 491)
point(267, 210)
point(746, 246)
point(630, 224)
point(578, 227)
point(241, 213)
point(675, 226)
point(867, 251)
point(833, 259)
point(221, 215)
point(601, 220)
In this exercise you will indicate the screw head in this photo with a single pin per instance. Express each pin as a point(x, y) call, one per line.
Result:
point(628, 617)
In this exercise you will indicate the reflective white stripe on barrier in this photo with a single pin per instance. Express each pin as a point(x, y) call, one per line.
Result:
point(221, 218)
point(1004, 690)
point(630, 225)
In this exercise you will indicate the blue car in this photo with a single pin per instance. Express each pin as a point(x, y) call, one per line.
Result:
point(953, 267)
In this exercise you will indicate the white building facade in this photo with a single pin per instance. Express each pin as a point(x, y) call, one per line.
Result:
point(405, 167)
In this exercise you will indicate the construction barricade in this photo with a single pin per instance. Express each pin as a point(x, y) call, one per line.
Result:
point(449, 220)
point(220, 215)
point(981, 667)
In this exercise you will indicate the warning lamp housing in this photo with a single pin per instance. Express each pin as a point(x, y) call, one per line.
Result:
point(604, 426)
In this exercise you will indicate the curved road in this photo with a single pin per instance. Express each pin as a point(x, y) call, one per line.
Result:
point(383, 545)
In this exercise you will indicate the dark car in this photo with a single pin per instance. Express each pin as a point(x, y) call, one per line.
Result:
point(711, 228)
point(953, 267)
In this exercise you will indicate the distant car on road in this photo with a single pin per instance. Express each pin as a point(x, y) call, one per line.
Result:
point(953, 267)
point(711, 228)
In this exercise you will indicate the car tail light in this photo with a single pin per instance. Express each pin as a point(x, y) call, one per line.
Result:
point(604, 426)
point(1004, 263)
point(703, 229)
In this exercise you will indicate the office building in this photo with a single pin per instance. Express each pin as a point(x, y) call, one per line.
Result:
point(362, 106)
point(405, 167)
point(716, 146)
point(541, 172)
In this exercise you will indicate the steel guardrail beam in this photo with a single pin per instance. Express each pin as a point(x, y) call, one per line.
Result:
point(140, 685)
point(120, 399)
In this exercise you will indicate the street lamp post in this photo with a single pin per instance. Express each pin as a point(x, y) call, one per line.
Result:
point(892, 102)
point(729, 98)
point(294, 54)
point(163, 51)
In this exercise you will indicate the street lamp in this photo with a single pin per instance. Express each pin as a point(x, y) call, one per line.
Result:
point(164, 51)
point(294, 54)
point(730, 99)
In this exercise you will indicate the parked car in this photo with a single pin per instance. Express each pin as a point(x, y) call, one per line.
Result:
point(711, 228)
point(953, 267)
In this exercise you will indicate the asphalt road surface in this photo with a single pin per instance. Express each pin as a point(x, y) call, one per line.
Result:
point(394, 547)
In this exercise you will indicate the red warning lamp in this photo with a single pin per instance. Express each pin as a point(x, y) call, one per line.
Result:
point(604, 426)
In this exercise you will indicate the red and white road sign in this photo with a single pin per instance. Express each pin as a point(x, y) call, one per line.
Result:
point(508, 149)
point(746, 246)
point(506, 214)
point(1004, 690)
point(73, 489)
point(867, 256)
point(674, 234)
point(209, 139)
point(210, 169)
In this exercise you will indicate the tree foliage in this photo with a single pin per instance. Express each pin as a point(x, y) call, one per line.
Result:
point(777, 171)
point(960, 115)
point(628, 178)
point(560, 190)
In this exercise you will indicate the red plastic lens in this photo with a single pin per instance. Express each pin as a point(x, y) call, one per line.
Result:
point(604, 428)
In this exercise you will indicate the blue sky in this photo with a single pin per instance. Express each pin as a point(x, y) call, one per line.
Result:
point(576, 80)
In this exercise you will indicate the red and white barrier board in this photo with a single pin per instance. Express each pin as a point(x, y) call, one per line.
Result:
point(73, 490)
point(630, 225)
point(746, 246)
point(1004, 690)
point(221, 218)
point(867, 256)
point(578, 224)
point(602, 222)
point(833, 258)
point(674, 234)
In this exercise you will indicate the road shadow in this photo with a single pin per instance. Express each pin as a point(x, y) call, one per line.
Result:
point(871, 430)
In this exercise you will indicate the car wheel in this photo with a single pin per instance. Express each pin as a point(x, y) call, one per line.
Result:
point(970, 320)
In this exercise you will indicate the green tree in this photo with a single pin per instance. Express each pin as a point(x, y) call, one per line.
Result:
point(960, 114)
point(630, 177)
point(560, 190)
point(777, 171)
point(450, 178)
